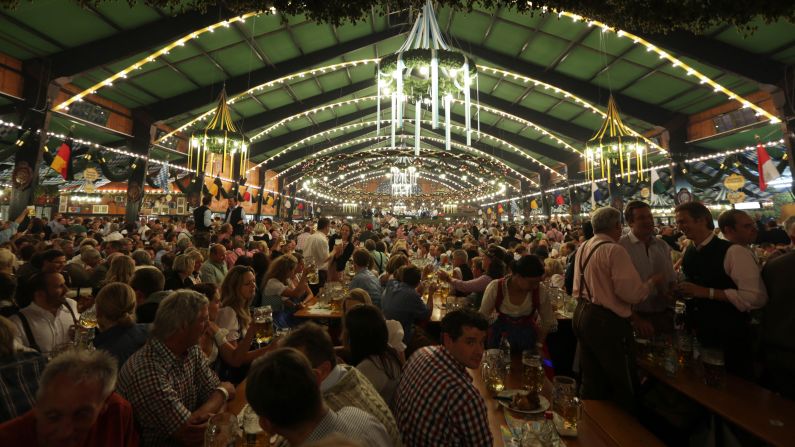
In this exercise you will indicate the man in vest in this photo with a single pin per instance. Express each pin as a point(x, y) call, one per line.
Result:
point(724, 283)
point(607, 285)
point(235, 216)
point(202, 216)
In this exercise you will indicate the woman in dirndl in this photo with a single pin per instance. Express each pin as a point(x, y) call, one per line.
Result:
point(517, 307)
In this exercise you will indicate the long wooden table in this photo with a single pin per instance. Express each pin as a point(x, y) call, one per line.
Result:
point(236, 405)
point(758, 411)
point(603, 424)
point(308, 311)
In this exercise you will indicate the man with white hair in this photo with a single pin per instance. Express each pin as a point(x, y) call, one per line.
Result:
point(81, 272)
point(168, 382)
point(607, 284)
point(76, 406)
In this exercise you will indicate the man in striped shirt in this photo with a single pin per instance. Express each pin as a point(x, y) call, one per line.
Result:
point(436, 403)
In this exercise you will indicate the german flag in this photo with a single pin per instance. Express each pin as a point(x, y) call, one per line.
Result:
point(62, 160)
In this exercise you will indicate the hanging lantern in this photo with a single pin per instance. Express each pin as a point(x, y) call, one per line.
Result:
point(424, 72)
point(404, 175)
point(216, 148)
point(614, 147)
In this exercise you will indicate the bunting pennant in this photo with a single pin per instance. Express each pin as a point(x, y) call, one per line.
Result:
point(767, 170)
point(655, 177)
point(62, 161)
point(162, 177)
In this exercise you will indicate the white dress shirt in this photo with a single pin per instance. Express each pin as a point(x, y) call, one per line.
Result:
point(740, 264)
point(656, 258)
point(316, 250)
point(300, 241)
point(50, 331)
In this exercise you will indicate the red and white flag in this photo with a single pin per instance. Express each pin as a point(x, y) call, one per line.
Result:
point(767, 170)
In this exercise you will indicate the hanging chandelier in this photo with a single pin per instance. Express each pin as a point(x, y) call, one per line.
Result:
point(404, 176)
point(613, 148)
point(215, 149)
point(423, 72)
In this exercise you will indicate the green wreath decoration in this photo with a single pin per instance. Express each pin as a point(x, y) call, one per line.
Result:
point(416, 85)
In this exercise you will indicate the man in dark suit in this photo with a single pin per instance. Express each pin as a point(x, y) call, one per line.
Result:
point(235, 216)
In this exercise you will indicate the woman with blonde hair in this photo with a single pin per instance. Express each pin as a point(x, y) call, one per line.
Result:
point(198, 260)
point(213, 342)
point(121, 269)
point(8, 262)
point(118, 334)
point(237, 293)
point(181, 270)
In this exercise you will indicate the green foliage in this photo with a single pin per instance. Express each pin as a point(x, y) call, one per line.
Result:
point(651, 16)
point(417, 85)
point(781, 199)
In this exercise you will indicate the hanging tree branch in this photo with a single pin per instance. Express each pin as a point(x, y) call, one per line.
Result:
point(638, 15)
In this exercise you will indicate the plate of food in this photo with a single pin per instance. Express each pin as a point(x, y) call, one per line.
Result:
point(522, 401)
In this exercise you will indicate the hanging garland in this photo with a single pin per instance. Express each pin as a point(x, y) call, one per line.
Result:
point(662, 17)
point(418, 85)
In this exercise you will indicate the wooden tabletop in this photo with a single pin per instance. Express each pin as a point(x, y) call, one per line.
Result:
point(758, 411)
point(307, 311)
point(602, 424)
point(235, 406)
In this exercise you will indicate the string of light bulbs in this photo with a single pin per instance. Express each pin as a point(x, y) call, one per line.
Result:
point(675, 63)
point(131, 154)
point(280, 81)
point(122, 74)
point(713, 156)
point(335, 105)
point(373, 123)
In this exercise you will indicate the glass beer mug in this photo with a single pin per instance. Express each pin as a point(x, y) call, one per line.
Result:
point(493, 371)
point(566, 403)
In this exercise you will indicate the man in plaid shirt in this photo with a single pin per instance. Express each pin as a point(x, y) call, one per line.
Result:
point(437, 404)
point(169, 383)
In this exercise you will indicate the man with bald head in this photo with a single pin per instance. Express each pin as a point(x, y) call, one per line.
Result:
point(214, 268)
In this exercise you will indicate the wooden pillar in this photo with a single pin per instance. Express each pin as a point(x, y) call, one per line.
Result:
point(34, 116)
point(261, 175)
point(143, 133)
point(546, 183)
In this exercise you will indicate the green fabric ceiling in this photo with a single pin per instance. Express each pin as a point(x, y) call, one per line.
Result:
point(557, 50)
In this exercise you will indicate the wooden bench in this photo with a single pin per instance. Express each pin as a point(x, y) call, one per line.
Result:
point(756, 410)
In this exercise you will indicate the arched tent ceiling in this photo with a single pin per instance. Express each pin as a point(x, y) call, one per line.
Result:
point(536, 73)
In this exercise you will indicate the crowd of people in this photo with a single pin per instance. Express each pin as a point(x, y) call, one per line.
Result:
point(175, 335)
